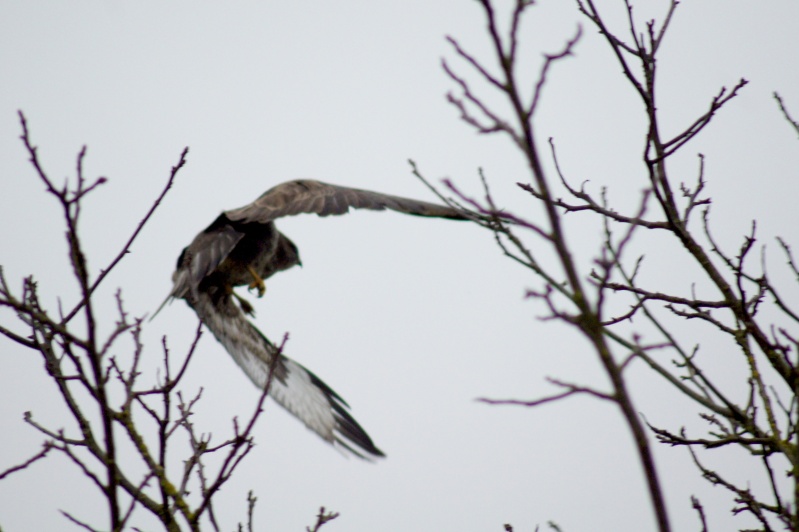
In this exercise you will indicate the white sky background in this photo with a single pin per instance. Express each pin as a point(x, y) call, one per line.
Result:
point(408, 319)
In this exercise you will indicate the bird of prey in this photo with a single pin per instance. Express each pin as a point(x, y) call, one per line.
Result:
point(243, 247)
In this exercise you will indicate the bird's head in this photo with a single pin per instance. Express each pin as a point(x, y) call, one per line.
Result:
point(287, 254)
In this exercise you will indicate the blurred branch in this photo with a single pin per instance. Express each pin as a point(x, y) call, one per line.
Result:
point(766, 423)
point(785, 113)
point(322, 518)
point(47, 446)
point(585, 316)
point(88, 373)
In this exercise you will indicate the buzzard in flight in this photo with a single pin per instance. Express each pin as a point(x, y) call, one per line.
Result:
point(243, 247)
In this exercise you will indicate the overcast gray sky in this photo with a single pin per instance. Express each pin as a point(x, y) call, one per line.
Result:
point(408, 319)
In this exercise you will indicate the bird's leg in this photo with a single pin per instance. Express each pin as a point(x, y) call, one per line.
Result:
point(243, 303)
point(257, 282)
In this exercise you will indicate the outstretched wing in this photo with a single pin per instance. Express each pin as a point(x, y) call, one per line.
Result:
point(295, 388)
point(200, 258)
point(203, 255)
point(210, 247)
point(315, 197)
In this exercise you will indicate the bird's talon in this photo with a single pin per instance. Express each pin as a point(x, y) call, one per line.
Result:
point(258, 282)
point(246, 307)
point(244, 304)
point(255, 285)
